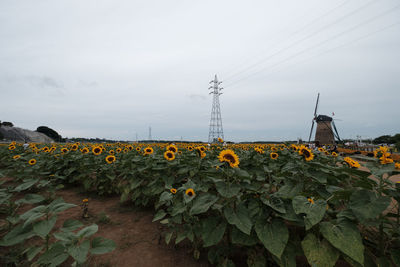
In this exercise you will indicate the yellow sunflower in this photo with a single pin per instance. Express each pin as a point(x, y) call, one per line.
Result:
point(274, 155)
point(11, 147)
point(190, 192)
point(74, 147)
point(397, 165)
point(334, 154)
point(220, 140)
point(310, 200)
point(16, 156)
point(32, 161)
point(173, 190)
point(172, 148)
point(64, 150)
point(148, 150)
point(190, 148)
point(138, 149)
point(229, 156)
point(169, 155)
point(118, 150)
point(97, 150)
point(306, 153)
point(110, 159)
point(85, 150)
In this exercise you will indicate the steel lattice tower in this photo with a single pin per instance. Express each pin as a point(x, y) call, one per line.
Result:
point(216, 130)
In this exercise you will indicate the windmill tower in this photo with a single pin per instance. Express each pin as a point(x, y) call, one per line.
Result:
point(326, 128)
point(216, 130)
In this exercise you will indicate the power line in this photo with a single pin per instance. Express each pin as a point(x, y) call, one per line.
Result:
point(319, 44)
point(302, 39)
point(237, 67)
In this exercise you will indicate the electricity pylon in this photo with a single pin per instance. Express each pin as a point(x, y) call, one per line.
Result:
point(216, 130)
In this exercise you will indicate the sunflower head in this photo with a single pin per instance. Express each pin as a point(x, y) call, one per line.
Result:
point(220, 140)
point(190, 192)
point(74, 147)
point(148, 150)
point(397, 165)
point(173, 190)
point(85, 200)
point(32, 161)
point(110, 159)
point(334, 154)
point(97, 150)
point(190, 148)
point(169, 155)
point(310, 200)
point(118, 150)
point(172, 148)
point(16, 156)
point(274, 155)
point(85, 150)
point(229, 156)
point(138, 148)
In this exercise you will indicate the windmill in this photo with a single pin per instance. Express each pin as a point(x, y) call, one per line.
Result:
point(326, 128)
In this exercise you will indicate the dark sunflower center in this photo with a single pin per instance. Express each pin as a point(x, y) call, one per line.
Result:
point(306, 153)
point(96, 150)
point(170, 155)
point(190, 193)
point(230, 158)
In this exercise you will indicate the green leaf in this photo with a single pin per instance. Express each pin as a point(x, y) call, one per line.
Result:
point(71, 225)
point(17, 235)
point(44, 227)
point(80, 252)
point(240, 218)
point(168, 237)
point(102, 245)
point(165, 196)
point(202, 203)
point(33, 217)
point(289, 190)
point(314, 211)
point(367, 205)
point(54, 256)
point(26, 185)
point(32, 252)
point(88, 231)
point(395, 255)
point(30, 199)
point(227, 190)
point(274, 235)
point(159, 215)
point(345, 237)
point(274, 202)
point(29, 213)
point(240, 238)
point(212, 231)
point(61, 207)
point(318, 253)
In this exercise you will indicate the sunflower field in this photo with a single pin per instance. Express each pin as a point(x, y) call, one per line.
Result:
point(264, 205)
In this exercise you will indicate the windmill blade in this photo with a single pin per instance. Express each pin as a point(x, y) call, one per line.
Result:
point(337, 134)
point(316, 107)
point(312, 126)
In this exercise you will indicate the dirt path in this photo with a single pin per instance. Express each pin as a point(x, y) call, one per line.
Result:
point(136, 236)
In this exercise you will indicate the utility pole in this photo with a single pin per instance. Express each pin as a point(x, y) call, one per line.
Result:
point(216, 130)
point(150, 134)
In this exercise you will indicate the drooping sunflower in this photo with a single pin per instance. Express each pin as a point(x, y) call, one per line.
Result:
point(148, 150)
point(16, 156)
point(172, 148)
point(274, 155)
point(110, 159)
point(97, 150)
point(229, 156)
point(32, 161)
point(173, 190)
point(190, 192)
point(64, 150)
point(74, 147)
point(306, 153)
point(169, 155)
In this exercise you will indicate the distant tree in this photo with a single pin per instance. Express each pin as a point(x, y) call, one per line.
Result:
point(7, 123)
point(49, 132)
point(384, 139)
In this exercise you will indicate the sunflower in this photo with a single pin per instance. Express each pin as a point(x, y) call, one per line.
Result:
point(173, 190)
point(64, 150)
point(201, 148)
point(97, 150)
point(46, 149)
point(229, 156)
point(112, 152)
point(172, 148)
point(203, 154)
point(11, 147)
point(190, 192)
point(130, 147)
point(310, 200)
point(110, 159)
point(321, 149)
point(148, 150)
point(306, 153)
point(352, 163)
point(274, 155)
point(334, 154)
point(220, 140)
point(169, 155)
point(16, 156)
point(190, 148)
point(274, 148)
point(85, 150)
point(74, 147)
point(397, 165)
point(138, 149)
point(32, 161)
point(118, 150)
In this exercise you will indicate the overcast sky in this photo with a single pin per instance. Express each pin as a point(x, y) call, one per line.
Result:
point(111, 69)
